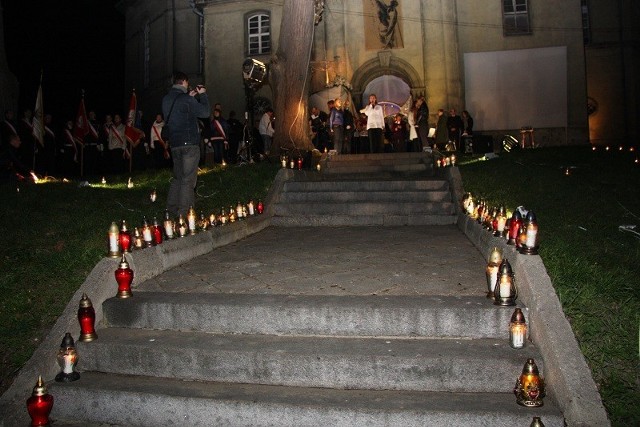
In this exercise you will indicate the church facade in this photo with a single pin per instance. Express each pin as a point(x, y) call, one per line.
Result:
point(511, 63)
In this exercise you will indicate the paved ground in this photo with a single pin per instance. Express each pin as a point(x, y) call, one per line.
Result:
point(421, 260)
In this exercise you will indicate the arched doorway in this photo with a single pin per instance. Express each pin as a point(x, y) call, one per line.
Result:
point(393, 93)
point(385, 69)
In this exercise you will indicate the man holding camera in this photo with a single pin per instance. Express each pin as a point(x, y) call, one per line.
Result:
point(182, 107)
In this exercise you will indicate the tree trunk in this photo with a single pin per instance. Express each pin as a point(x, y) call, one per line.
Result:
point(289, 76)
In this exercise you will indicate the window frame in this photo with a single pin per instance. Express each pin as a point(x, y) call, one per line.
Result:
point(259, 36)
point(511, 18)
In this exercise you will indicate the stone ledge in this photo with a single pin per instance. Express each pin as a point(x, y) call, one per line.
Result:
point(566, 371)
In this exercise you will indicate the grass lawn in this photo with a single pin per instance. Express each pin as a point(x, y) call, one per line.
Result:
point(55, 233)
point(593, 265)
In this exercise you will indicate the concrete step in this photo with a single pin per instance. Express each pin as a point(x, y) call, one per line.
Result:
point(358, 196)
point(384, 220)
point(316, 185)
point(381, 157)
point(106, 399)
point(453, 365)
point(376, 167)
point(366, 316)
point(365, 208)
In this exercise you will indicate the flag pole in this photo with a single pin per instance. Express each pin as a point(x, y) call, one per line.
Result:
point(82, 147)
point(35, 145)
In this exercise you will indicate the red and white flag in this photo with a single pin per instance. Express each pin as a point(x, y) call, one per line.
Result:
point(38, 118)
point(81, 125)
point(132, 133)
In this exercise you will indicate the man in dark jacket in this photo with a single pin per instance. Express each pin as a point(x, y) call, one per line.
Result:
point(182, 108)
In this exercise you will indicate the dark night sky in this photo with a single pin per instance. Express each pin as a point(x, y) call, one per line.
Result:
point(79, 44)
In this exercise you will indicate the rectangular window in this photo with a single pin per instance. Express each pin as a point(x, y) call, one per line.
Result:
point(259, 34)
point(515, 17)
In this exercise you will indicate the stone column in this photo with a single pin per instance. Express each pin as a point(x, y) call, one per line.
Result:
point(443, 79)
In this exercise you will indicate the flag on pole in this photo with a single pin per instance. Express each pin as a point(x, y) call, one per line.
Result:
point(132, 133)
point(38, 117)
point(81, 125)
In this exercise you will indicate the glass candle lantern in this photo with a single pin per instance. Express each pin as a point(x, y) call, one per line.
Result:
point(514, 226)
point(517, 329)
point(67, 359)
point(114, 246)
point(505, 291)
point(252, 209)
point(87, 319)
point(147, 235)
point(260, 207)
point(39, 405)
point(501, 222)
point(495, 258)
point(182, 226)
point(168, 226)
point(124, 278)
point(138, 240)
point(537, 422)
point(529, 388)
point(530, 243)
point(239, 211)
point(192, 220)
point(124, 237)
point(156, 231)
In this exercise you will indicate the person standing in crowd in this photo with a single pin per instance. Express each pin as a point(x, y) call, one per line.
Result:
point(235, 129)
point(48, 163)
point(423, 121)
point(375, 124)
point(27, 140)
point(467, 129)
point(12, 168)
point(117, 145)
point(336, 125)
point(8, 127)
point(266, 130)
point(349, 127)
point(69, 151)
point(158, 147)
point(317, 122)
point(219, 140)
point(183, 108)
point(398, 133)
point(413, 143)
point(362, 138)
point(442, 133)
point(454, 125)
point(90, 150)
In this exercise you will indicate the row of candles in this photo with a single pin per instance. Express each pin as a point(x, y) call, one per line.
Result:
point(446, 161)
point(519, 228)
point(502, 290)
point(122, 240)
point(296, 163)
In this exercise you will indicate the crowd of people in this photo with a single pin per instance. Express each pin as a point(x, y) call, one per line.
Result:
point(106, 150)
point(370, 131)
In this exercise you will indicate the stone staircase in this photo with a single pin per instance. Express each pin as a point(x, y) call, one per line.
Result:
point(225, 359)
point(367, 189)
point(321, 341)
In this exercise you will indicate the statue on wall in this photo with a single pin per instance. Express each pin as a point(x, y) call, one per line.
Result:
point(382, 24)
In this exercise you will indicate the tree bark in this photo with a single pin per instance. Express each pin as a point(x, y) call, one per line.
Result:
point(289, 76)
